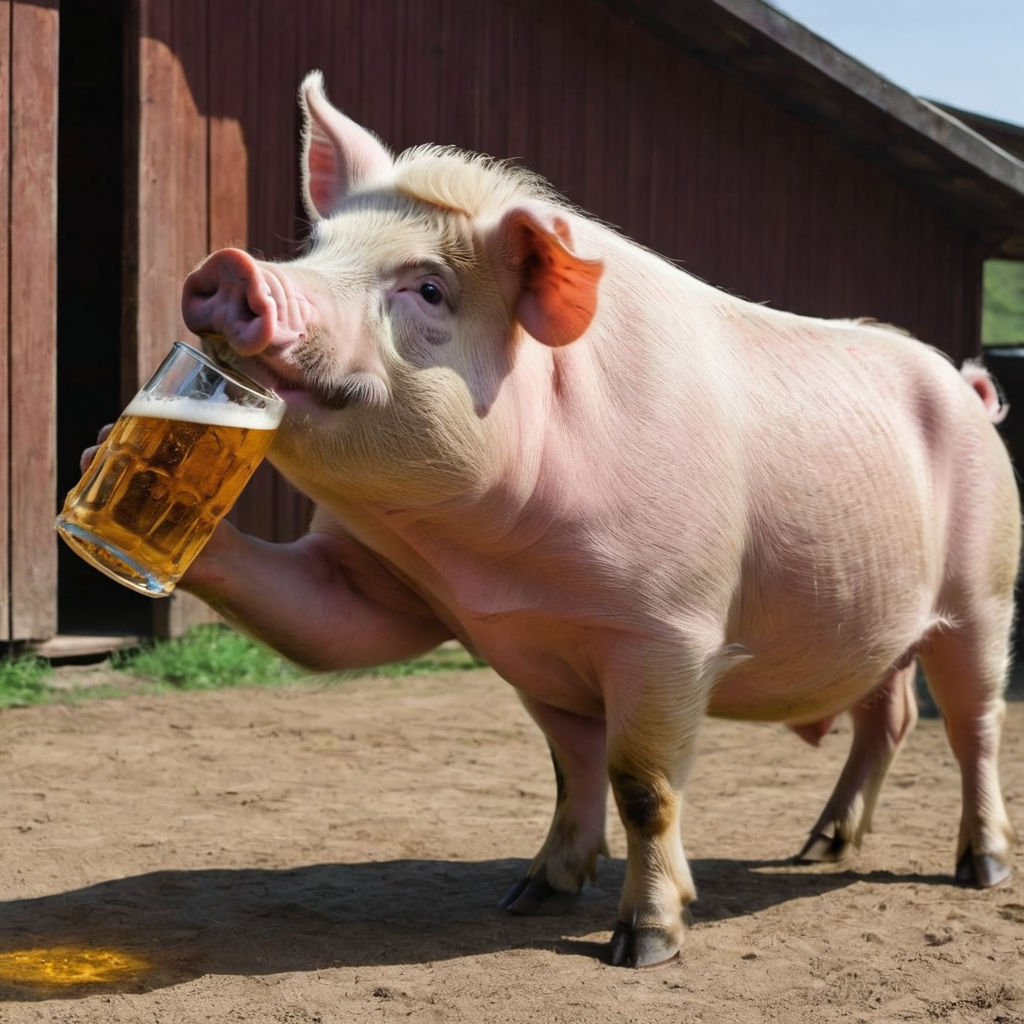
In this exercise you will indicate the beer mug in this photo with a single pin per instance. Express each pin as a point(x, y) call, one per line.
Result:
point(173, 465)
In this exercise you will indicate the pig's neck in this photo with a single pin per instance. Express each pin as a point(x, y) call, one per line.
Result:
point(565, 439)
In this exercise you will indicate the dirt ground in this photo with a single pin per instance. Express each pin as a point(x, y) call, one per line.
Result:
point(335, 853)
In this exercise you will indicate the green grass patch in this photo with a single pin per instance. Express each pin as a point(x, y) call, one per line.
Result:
point(23, 681)
point(207, 658)
point(213, 657)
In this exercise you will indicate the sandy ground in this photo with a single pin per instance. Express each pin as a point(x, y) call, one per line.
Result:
point(335, 853)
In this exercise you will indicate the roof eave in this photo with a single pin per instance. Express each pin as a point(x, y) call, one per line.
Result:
point(980, 183)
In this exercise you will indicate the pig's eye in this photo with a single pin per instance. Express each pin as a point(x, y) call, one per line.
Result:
point(431, 293)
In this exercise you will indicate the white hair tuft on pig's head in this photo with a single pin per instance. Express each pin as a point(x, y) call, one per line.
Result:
point(470, 183)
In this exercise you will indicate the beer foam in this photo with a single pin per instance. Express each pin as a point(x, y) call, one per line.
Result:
point(197, 410)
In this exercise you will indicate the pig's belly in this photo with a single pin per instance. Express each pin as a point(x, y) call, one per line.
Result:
point(801, 679)
point(571, 666)
point(832, 626)
point(784, 650)
point(758, 688)
point(773, 694)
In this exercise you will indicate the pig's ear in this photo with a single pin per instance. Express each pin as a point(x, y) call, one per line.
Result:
point(337, 154)
point(552, 290)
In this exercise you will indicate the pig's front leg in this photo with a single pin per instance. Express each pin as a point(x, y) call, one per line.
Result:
point(651, 741)
point(323, 601)
point(569, 855)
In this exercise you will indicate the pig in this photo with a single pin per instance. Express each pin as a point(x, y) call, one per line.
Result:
point(641, 499)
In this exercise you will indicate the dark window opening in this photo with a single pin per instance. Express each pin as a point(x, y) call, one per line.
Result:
point(90, 212)
point(1002, 315)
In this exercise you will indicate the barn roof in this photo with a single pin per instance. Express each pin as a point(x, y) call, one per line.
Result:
point(959, 166)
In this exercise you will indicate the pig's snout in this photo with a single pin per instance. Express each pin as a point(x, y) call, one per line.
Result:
point(230, 295)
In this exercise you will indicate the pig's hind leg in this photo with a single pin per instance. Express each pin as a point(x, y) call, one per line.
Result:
point(881, 722)
point(568, 857)
point(966, 668)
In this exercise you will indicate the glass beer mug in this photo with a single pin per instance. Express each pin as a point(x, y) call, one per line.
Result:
point(171, 468)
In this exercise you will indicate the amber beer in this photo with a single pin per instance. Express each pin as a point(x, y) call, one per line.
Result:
point(173, 465)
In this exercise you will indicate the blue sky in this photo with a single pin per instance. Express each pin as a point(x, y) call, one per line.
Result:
point(969, 53)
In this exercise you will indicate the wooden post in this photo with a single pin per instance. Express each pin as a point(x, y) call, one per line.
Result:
point(5, 440)
point(167, 229)
point(28, 39)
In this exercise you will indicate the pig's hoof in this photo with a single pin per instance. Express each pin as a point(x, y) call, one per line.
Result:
point(647, 946)
point(536, 896)
point(823, 849)
point(983, 870)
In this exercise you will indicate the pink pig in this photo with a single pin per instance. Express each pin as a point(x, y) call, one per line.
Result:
point(641, 499)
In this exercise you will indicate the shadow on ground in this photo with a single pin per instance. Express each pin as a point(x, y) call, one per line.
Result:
point(149, 931)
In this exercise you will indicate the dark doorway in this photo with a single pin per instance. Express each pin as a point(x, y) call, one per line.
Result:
point(90, 187)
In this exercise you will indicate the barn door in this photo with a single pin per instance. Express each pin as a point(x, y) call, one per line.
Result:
point(28, 154)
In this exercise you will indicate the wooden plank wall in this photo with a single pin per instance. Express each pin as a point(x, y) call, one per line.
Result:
point(681, 157)
point(166, 229)
point(5, 422)
point(28, 266)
